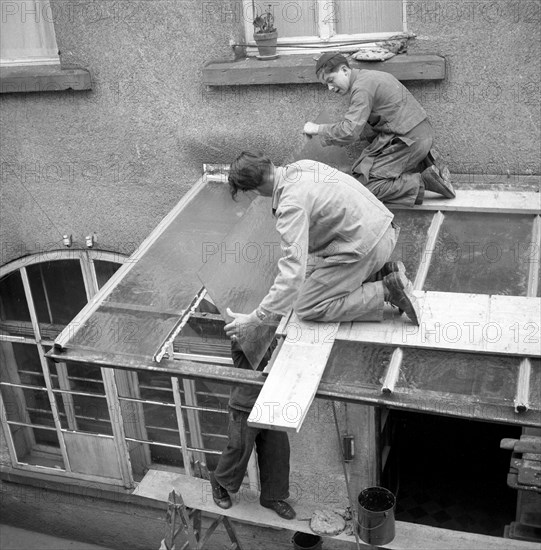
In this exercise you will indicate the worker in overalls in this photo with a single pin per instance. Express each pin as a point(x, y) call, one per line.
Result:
point(272, 448)
point(399, 164)
point(336, 240)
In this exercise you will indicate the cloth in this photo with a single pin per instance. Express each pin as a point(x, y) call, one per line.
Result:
point(272, 446)
point(243, 397)
point(378, 99)
point(389, 165)
point(381, 105)
point(322, 216)
point(348, 292)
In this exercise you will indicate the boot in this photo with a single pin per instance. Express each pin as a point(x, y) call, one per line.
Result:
point(433, 181)
point(400, 294)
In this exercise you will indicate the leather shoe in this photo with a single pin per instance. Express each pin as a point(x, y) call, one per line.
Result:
point(437, 183)
point(401, 295)
point(281, 507)
point(219, 494)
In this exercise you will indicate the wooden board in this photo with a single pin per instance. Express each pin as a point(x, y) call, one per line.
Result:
point(460, 322)
point(294, 378)
point(519, 202)
point(92, 454)
point(196, 493)
point(300, 69)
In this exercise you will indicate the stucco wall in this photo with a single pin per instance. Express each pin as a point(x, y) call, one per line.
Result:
point(113, 161)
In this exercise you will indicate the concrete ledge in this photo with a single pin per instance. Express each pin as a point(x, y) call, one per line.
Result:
point(299, 69)
point(43, 78)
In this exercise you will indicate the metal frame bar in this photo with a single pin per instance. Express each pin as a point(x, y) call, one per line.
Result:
point(44, 367)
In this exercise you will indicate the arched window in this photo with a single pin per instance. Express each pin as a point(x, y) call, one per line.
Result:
point(39, 296)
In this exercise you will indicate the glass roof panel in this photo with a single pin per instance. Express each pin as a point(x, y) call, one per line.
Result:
point(468, 374)
point(145, 306)
point(482, 254)
point(357, 364)
point(412, 237)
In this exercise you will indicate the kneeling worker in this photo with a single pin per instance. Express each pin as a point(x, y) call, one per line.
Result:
point(328, 221)
point(399, 163)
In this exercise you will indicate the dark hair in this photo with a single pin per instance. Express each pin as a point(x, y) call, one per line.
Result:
point(328, 62)
point(248, 171)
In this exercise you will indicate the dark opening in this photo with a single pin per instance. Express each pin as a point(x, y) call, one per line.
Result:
point(451, 473)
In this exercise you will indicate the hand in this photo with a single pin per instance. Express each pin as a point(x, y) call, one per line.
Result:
point(311, 129)
point(241, 324)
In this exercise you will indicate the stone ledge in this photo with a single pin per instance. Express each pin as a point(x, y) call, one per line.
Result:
point(299, 69)
point(43, 78)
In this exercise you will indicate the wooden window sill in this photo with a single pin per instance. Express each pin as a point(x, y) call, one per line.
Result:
point(299, 69)
point(43, 78)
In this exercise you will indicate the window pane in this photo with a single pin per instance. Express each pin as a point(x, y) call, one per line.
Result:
point(85, 413)
point(14, 314)
point(370, 364)
point(154, 386)
point(297, 18)
point(481, 254)
point(365, 16)
point(25, 439)
point(20, 362)
point(104, 271)
point(58, 291)
point(483, 376)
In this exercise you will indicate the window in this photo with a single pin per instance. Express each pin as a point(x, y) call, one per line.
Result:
point(64, 415)
point(27, 33)
point(52, 412)
point(308, 25)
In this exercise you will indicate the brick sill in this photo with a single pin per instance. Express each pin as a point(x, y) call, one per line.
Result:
point(299, 69)
point(43, 78)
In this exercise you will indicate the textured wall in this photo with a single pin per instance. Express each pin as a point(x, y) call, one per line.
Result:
point(114, 160)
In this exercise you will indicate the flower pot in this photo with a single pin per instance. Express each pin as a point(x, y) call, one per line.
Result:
point(266, 43)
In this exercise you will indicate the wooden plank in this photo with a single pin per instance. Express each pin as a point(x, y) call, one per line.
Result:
point(45, 78)
point(92, 453)
point(300, 69)
point(474, 200)
point(474, 323)
point(197, 494)
point(294, 378)
point(513, 325)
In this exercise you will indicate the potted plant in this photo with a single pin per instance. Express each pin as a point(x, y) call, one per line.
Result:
point(265, 34)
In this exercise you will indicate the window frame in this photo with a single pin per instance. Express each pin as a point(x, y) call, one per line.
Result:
point(326, 40)
point(36, 26)
point(132, 446)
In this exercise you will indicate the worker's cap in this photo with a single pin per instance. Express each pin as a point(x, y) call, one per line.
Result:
point(328, 61)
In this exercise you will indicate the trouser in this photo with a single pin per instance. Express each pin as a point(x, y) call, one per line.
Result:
point(272, 449)
point(347, 292)
point(390, 165)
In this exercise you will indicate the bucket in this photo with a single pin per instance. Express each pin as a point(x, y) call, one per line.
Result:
point(306, 541)
point(375, 522)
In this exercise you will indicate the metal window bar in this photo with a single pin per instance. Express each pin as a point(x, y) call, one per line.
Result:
point(188, 407)
point(174, 446)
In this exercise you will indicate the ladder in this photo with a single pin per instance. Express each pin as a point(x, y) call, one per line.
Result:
point(188, 521)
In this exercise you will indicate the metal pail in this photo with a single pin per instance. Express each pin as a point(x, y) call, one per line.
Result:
point(375, 521)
